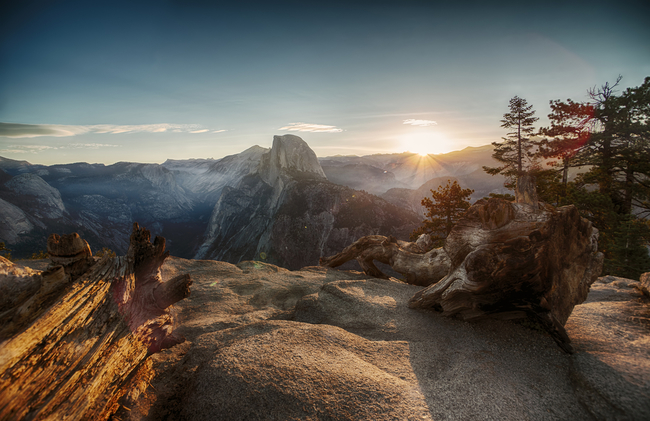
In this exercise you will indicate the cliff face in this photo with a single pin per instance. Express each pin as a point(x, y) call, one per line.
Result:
point(320, 218)
point(28, 204)
point(287, 213)
point(13, 222)
point(289, 157)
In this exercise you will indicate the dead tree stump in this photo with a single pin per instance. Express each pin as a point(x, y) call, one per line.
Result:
point(74, 336)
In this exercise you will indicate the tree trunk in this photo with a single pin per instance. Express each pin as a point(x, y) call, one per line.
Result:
point(410, 259)
point(75, 336)
point(525, 191)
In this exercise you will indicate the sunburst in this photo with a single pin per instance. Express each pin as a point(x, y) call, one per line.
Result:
point(425, 143)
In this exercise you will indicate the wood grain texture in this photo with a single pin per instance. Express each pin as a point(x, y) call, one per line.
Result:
point(82, 351)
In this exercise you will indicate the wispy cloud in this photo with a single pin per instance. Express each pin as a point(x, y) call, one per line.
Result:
point(423, 123)
point(41, 148)
point(15, 130)
point(35, 130)
point(306, 127)
point(89, 145)
point(26, 148)
point(219, 131)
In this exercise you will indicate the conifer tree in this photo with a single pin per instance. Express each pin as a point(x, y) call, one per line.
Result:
point(618, 157)
point(517, 151)
point(628, 255)
point(567, 136)
point(619, 149)
point(445, 207)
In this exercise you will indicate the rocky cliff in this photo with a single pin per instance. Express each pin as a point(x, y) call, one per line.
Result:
point(206, 178)
point(286, 212)
point(43, 199)
point(13, 222)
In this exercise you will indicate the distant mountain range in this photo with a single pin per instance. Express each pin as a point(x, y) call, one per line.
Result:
point(283, 204)
point(404, 179)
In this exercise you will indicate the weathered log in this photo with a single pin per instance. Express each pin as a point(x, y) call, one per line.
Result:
point(29, 293)
point(502, 259)
point(418, 266)
point(87, 334)
point(515, 260)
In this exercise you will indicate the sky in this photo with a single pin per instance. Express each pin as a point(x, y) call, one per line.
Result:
point(145, 81)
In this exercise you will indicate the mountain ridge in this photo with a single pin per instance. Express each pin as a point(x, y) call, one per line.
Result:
point(177, 199)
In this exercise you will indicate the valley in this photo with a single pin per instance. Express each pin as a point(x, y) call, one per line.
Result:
point(282, 205)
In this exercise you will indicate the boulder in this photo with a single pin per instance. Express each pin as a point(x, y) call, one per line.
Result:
point(70, 251)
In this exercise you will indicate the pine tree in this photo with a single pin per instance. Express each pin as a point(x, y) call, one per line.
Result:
point(615, 192)
point(567, 136)
point(517, 151)
point(619, 149)
point(445, 207)
point(628, 255)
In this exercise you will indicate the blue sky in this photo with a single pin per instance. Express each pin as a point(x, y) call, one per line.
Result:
point(142, 81)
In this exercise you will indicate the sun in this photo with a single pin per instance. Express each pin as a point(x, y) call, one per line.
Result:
point(425, 143)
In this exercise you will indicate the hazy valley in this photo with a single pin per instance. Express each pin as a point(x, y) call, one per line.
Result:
point(282, 205)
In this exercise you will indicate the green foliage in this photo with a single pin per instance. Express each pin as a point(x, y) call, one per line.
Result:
point(628, 255)
point(4, 251)
point(566, 138)
point(41, 254)
point(623, 238)
point(610, 138)
point(620, 146)
point(517, 152)
point(105, 251)
point(443, 212)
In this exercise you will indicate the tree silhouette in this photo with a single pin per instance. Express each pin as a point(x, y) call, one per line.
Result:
point(567, 136)
point(443, 212)
point(516, 152)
